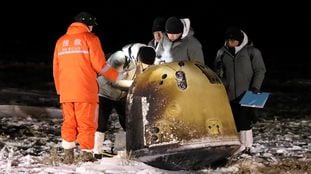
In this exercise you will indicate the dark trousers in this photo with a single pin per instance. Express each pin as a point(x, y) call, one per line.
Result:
point(243, 116)
point(105, 109)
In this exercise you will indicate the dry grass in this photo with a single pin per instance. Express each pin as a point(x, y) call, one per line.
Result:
point(292, 166)
point(285, 166)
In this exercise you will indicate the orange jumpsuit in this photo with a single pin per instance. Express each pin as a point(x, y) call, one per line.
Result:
point(78, 57)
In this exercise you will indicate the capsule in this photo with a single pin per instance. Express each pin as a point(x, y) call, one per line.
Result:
point(179, 117)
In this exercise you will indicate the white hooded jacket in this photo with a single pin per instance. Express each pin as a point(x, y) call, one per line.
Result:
point(125, 61)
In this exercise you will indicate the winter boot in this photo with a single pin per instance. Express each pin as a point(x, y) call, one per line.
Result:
point(242, 141)
point(98, 144)
point(87, 156)
point(68, 156)
point(246, 138)
point(120, 138)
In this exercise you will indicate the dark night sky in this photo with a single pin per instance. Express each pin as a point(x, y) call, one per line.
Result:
point(282, 33)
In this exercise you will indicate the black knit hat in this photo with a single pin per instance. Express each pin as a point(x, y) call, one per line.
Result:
point(158, 24)
point(86, 18)
point(174, 25)
point(234, 33)
point(146, 55)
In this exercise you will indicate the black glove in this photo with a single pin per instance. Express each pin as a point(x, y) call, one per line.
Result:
point(255, 90)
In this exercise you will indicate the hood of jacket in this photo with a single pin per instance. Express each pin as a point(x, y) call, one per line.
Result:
point(77, 27)
point(187, 28)
point(243, 44)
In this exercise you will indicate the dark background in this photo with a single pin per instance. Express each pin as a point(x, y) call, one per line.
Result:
point(281, 31)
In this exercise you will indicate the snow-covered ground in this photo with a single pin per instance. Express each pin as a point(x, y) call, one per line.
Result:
point(30, 141)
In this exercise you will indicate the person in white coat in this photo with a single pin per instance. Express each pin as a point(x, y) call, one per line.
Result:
point(112, 95)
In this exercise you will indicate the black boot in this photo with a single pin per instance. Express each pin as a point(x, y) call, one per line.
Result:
point(87, 156)
point(68, 156)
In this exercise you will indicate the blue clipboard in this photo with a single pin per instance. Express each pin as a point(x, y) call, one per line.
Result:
point(254, 100)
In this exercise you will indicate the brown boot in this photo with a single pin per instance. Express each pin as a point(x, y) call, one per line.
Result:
point(68, 156)
point(87, 156)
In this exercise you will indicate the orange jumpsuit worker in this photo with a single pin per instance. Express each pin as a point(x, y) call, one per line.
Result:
point(78, 57)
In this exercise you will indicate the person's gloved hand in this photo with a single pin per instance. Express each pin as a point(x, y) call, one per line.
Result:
point(255, 90)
